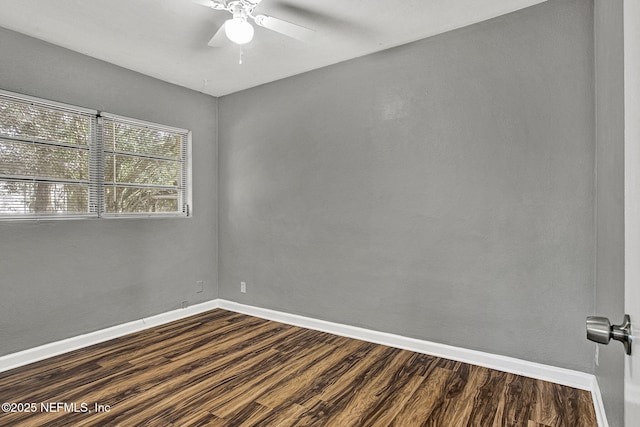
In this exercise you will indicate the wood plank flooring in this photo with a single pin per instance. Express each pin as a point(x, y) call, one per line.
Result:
point(226, 369)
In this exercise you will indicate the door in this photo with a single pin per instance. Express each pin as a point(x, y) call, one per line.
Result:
point(632, 204)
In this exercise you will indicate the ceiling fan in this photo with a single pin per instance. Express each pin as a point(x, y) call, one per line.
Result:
point(240, 31)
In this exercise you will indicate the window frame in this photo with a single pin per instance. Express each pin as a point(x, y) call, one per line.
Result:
point(97, 154)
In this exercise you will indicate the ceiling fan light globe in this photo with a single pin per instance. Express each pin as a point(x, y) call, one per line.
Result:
point(238, 30)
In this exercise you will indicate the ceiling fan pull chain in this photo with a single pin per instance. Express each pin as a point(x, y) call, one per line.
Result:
point(241, 53)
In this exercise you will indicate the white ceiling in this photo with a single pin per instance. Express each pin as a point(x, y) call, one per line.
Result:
point(167, 39)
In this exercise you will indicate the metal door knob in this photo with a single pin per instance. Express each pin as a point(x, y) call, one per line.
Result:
point(600, 330)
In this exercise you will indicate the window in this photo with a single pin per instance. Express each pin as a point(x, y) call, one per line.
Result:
point(144, 167)
point(62, 161)
point(45, 153)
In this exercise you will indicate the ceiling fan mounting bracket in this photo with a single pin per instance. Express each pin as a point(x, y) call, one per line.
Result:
point(242, 8)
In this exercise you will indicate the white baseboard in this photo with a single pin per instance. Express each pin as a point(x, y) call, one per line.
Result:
point(539, 371)
point(31, 355)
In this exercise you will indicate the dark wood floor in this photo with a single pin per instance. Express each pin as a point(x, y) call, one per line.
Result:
point(227, 369)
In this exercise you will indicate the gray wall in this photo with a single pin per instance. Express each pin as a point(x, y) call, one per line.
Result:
point(609, 72)
point(65, 278)
point(442, 190)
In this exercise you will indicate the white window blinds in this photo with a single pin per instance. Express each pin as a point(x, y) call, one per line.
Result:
point(46, 155)
point(145, 167)
point(62, 161)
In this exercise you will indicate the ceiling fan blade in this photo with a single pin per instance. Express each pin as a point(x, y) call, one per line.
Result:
point(213, 4)
point(337, 22)
point(219, 38)
point(295, 31)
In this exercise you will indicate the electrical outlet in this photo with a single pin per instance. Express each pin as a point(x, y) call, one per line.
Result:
point(199, 286)
point(243, 287)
